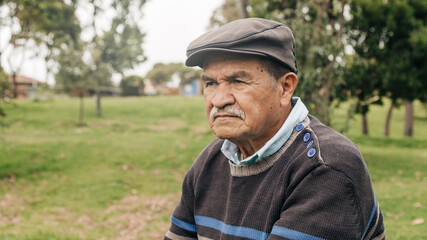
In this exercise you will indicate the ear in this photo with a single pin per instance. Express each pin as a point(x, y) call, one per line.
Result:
point(287, 84)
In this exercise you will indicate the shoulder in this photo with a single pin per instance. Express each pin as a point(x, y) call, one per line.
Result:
point(210, 152)
point(343, 157)
point(341, 168)
point(212, 148)
point(336, 150)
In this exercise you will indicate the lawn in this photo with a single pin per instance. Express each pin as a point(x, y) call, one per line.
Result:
point(119, 176)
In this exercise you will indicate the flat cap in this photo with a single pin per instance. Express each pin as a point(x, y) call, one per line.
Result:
point(254, 36)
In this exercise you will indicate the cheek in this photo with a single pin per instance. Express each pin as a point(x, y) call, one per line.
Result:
point(254, 105)
point(259, 110)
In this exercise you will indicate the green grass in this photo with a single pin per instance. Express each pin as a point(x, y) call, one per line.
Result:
point(120, 175)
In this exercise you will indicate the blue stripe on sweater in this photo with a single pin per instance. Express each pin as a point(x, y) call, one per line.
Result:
point(184, 225)
point(230, 229)
point(372, 215)
point(241, 231)
point(292, 234)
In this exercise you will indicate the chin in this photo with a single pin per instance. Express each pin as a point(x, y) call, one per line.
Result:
point(227, 133)
point(227, 129)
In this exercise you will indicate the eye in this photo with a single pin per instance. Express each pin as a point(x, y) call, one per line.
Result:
point(238, 81)
point(209, 83)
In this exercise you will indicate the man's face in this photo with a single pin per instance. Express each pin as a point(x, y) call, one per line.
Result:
point(242, 103)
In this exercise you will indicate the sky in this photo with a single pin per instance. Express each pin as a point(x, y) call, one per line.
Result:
point(169, 25)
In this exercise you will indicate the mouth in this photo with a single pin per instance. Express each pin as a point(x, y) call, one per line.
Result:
point(225, 116)
point(226, 112)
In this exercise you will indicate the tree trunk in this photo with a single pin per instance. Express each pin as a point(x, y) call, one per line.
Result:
point(387, 121)
point(409, 118)
point(15, 85)
point(181, 87)
point(140, 88)
point(364, 124)
point(244, 8)
point(98, 103)
point(1, 68)
point(200, 89)
point(81, 108)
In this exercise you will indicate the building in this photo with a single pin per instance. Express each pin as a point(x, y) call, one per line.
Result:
point(26, 88)
point(192, 88)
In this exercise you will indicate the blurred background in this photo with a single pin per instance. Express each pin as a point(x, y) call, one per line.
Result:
point(100, 119)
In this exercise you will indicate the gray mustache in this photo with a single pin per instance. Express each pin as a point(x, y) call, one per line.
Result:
point(227, 109)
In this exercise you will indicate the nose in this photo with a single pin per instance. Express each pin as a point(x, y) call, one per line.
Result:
point(222, 96)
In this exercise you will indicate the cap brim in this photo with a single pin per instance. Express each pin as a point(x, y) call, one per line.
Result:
point(198, 58)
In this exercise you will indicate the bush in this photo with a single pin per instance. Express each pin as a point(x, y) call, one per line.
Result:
point(132, 86)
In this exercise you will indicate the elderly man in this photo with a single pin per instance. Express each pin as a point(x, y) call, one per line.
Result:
point(275, 172)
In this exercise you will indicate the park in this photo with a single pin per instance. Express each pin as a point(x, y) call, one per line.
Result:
point(119, 177)
point(97, 150)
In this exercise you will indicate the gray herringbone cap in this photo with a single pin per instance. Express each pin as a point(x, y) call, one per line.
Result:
point(254, 36)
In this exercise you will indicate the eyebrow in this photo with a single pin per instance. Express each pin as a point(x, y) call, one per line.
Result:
point(239, 74)
point(206, 78)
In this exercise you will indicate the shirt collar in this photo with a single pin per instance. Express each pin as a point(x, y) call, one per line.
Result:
point(298, 113)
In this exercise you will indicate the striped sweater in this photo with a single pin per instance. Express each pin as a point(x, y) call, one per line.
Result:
point(316, 186)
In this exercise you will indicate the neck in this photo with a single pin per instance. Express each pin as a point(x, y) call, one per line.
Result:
point(249, 146)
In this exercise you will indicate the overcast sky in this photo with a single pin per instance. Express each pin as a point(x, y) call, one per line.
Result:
point(170, 25)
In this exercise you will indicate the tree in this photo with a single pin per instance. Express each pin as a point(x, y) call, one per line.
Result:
point(4, 87)
point(61, 26)
point(116, 49)
point(72, 74)
point(318, 32)
point(229, 11)
point(363, 84)
point(162, 73)
point(132, 86)
point(36, 23)
point(382, 30)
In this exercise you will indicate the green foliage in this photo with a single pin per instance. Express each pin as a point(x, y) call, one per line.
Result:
point(122, 46)
point(132, 86)
point(418, 41)
point(229, 11)
point(317, 28)
point(384, 33)
point(48, 23)
point(42, 21)
point(4, 87)
point(72, 74)
point(73, 71)
point(118, 48)
point(163, 72)
point(363, 83)
point(123, 174)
